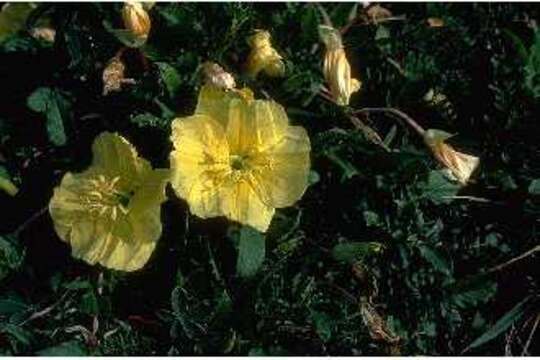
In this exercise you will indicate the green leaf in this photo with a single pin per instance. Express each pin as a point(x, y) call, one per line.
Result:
point(148, 120)
point(532, 68)
point(251, 251)
point(17, 332)
point(501, 325)
point(55, 107)
point(5, 182)
point(170, 77)
point(436, 258)
point(351, 252)
point(68, 348)
point(439, 189)
point(11, 306)
point(534, 187)
point(472, 293)
point(323, 325)
point(11, 255)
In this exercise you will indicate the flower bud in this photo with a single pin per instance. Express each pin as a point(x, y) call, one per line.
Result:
point(216, 76)
point(263, 57)
point(114, 76)
point(336, 68)
point(136, 19)
point(460, 165)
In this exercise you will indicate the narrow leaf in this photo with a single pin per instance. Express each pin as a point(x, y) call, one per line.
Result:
point(251, 251)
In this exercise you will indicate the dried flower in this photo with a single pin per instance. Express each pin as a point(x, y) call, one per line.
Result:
point(377, 13)
point(238, 157)
point(336, 68)
point(110, 213)
point(114, 76)
point(44, 33)
point(459, 164)
point(136, 20)
point(216, 76)
point(263, 57)
point(435, 22)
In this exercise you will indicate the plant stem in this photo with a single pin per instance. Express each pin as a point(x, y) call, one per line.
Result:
point(398, 113)
point(513, 260)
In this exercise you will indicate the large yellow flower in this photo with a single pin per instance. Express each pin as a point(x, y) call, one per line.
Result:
point(110, 213)
point(238, 157)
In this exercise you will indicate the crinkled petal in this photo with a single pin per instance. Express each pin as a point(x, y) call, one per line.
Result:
point(65, 206)
point(242, 204)
point(113, 156)
point(281, 177)
point(113, 244)
point(255, 126)
point(199, 159)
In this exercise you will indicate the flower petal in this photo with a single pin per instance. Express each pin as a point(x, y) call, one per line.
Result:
point(200, 157)
point(115, 156)
point(240, 203)
point(255, 126)
point(281, 178)
point(108, 242)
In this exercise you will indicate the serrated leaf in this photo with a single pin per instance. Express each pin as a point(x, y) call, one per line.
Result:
point(170, 78)
point(439, 189)
point(68, 348)
point(501, 325)
point(251, 251)
point(55, 107)
point(351, 252)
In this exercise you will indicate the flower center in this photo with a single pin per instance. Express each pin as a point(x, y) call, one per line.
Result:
point(102, 196)
point(238, 162)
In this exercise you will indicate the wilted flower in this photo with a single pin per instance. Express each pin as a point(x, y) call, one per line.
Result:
point(336, 68)
point(435, 22)
point(459, 164)
point(377, 13)
point(114, 76)
point(238, 157)
point(216, 76)
point(110, 213)
point(44, 33)
point(263, 57)
point(136, 20)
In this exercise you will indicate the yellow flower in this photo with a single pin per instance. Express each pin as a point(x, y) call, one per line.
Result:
point(136, 21)
point(336, 68)
point(238, 157)
point(459, 164)
point(263, 57)
point(110, 213)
